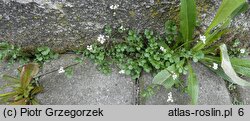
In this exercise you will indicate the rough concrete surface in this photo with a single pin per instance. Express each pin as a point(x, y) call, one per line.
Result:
point(88, 86)
point(7, 69)
point(212, 90)
point(66, 24)
point(69, 24)
point(244, 92)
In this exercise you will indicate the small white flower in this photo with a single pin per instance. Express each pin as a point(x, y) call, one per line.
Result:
point(203, 39)
point(174, 76)
point(170, 97)
point(122, 72)
point(90, 47)
point(122, 28)
point(242, 50)
point(101, 39)
point(163, 49)
point(215, 66)
point(61, 70)
point(113, 7)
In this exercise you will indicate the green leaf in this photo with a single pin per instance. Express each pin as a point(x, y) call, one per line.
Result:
point(40, 58)
point(228, 68)
point(46, 51)
point(6, 96)
point(11, 79)
point(241, 62)
point(163, 79)
point(226, 10)
point(242, 70)
point(188, 19)
point(169, 83)
point(10, 94)
point(20, 102)
point(34, 102)
point(40, 49)
point(69, 72)
point(36, 90)
point(28, 72)
point(219, 72)
point(211, 38)
point(193, 85)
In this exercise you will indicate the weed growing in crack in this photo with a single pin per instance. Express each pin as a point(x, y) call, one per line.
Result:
point(12, 53)
point(44, 54)
point(235, 50)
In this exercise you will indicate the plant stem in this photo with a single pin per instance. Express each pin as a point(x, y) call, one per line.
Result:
point(71, 65)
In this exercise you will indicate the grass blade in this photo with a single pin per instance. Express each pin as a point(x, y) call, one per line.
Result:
point(188, 19)
point(193, 85)
point(227, 10)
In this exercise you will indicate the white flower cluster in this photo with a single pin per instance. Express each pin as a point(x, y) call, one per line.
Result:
point(215, 66)
point(174, 76)
point(242, 51)
point(170, 97)
point(163, 49)
point(203, 39)
point(122, 28)
point(90, 47)
point(113, 7)
point(61, 70)
point(122, 72)
point(101, 39)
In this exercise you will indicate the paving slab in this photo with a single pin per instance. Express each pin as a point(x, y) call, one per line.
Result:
point(213, 90)
point(7, 69)
point(88, 86)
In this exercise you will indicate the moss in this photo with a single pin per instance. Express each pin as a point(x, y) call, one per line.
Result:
point(171, 12)
point(132, 13)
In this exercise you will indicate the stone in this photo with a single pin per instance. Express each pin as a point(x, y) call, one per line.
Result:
point(88, 86)
point(212, 90)
point(69, 24)
point(7, 69)
point(244, 92)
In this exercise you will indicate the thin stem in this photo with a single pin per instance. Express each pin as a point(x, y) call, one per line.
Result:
point(71, 65)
